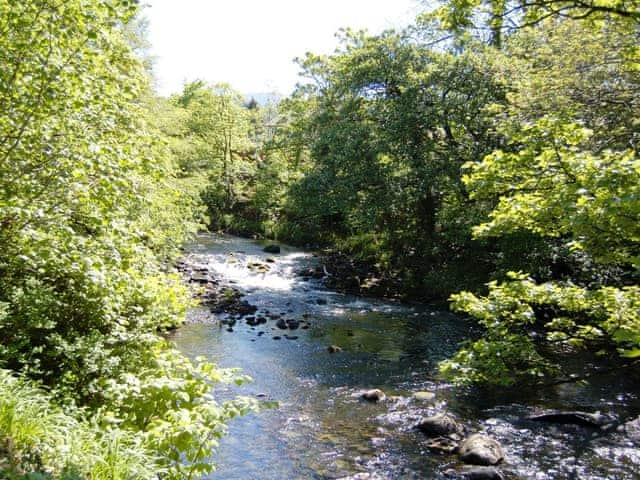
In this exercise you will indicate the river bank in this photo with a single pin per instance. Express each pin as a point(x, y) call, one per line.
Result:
point(317, 351)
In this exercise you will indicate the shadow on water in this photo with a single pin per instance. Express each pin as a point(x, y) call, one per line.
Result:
point(322, 430)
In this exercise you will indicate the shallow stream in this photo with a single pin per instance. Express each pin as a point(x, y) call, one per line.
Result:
point(322, 430)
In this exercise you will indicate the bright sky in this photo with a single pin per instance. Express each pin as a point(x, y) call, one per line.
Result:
point(251, 44)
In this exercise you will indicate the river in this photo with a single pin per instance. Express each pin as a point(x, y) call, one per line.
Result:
point(323, 430)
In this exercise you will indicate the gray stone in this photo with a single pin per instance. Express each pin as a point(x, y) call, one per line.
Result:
point(441, 425)
point(480, 449)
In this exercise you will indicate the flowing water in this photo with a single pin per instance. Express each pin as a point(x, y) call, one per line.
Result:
point(322, 430)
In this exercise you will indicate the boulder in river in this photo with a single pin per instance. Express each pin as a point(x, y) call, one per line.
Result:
point(374, 396)
point(271, 248)
point(440, 425)
point(584, 419)
point(480, 449)
point(334, 349)
point(475, 473)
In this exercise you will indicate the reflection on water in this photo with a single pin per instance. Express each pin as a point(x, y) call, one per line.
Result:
point(322, 430)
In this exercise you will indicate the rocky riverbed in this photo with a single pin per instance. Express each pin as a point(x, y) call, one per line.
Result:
point(357, 391)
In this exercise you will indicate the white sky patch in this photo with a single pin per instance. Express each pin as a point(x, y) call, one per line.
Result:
point(251, 44)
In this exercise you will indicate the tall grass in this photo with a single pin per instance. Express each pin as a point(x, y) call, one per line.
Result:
point(39, 441)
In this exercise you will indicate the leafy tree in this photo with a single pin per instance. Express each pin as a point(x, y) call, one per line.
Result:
point(388, 124)
point(84, 282)
point(499, 15)
point(562, 180)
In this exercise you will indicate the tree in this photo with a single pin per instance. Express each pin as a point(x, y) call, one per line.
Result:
point(388, 124)
point(85, 282)
point(500, 15)
point(559, 179)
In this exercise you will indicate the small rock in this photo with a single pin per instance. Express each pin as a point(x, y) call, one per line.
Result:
point(321, 301)
point(334, 349)
point(424, 396)
point(271, 248)
point(270, 260)
point(293, 324)
point(441, 425)
point(229, 329)
point(282, 324)
point(291, 337)
point(479, 449)
point(277, 337)
point(375, 395)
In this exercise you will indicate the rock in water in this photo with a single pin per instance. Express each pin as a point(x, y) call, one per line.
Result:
point(334, 349)
point(441, 425)
point(479, 449)
point(272, 248)
point(374, 396)
point(476, 473)
point(584, 419)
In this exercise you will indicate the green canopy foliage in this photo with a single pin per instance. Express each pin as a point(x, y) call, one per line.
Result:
point(90, 214)
point(568, 172)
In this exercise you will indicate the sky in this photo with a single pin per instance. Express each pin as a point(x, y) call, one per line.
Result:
point(251, 44)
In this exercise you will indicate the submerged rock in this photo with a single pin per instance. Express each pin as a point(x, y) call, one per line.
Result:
point(375, 395)
point(584, 419)
point(441, 425)
point(271, 248)
point(480, 449)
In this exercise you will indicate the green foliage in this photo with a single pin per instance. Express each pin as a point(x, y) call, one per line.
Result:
point(39, 440)
point(569, 172)
point(515, 312)
point(91, 214)
point(388, 124)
